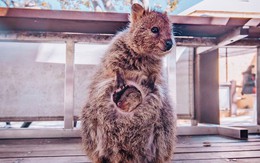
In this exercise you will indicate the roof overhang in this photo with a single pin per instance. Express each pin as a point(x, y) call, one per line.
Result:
point(189, 30)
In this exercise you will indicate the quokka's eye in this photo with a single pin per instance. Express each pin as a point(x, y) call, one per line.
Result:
point(155, 30)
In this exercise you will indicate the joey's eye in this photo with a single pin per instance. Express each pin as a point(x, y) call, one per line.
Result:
point(155, 30)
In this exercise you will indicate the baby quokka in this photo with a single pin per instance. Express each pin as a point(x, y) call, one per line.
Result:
point(128, 117)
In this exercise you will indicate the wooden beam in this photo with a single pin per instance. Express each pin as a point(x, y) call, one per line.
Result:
point(228, 38)
point(195, 41)
point(35, 118)
point(55, 37)
point(21, 13)
point(234, 132)
point(22, 36)
point(233, 36)
point(90, 38)
point(197, 130)
point(60, 133)
point(30, 119)
point(254, 129)
point(196, 81)
point(246, 42)
point(184, 116)
point(208, 20)
point(253, 22)
point(62, 15)
point(38, 133)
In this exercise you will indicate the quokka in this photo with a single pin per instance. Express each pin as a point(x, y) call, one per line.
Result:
point(143, 130)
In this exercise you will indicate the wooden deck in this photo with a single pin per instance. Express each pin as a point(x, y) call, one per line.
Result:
point(204, 149)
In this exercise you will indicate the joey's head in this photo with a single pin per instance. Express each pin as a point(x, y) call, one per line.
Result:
point(150, 32)
point(128, 94)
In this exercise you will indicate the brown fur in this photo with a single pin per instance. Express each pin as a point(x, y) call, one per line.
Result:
point(146, 134)
point(126, 97)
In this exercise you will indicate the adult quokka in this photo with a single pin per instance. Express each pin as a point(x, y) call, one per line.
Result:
point(147, 132)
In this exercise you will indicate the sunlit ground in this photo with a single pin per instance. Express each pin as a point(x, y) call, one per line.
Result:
point(243, 118)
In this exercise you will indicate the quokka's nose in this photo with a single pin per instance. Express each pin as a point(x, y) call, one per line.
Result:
point(168, 44)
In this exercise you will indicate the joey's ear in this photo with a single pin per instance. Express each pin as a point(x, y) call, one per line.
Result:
point(137, 12)
point(120, 80)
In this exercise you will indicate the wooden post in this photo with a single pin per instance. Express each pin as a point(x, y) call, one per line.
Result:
point(207, 87)
point(171, 76)
point(69, 86)
point(258, 87)
point(196, 74)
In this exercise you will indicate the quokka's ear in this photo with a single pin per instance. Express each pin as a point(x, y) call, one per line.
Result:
point(137, 12)
point(151, 81)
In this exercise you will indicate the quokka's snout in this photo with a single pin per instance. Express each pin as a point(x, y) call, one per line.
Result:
point(168, 44)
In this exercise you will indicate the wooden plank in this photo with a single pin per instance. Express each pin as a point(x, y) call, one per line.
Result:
point(217, 155)
point(189, 149)
point(214, 139)
point(197, 130)
point(44, 153)
point(106, 38)
point(195, 41)
point(54, 36)
point(234, 132)
point(229, 144)
point(177, 157)
point(42, 141)
point(33, 118)
point(85, 160)
point(40, 148)
point(75, 133)
point(64, 152)
point(76, 149)
point(38, 133)
point(30, 119)
point(54, 133)
point(183, 142)
point(247, 160)
point(89, 38)
point(70, 159)
point(217, 149)
point(62, 15)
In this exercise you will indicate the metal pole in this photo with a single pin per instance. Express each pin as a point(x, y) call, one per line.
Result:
point(226, 66)
point(69, 86)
